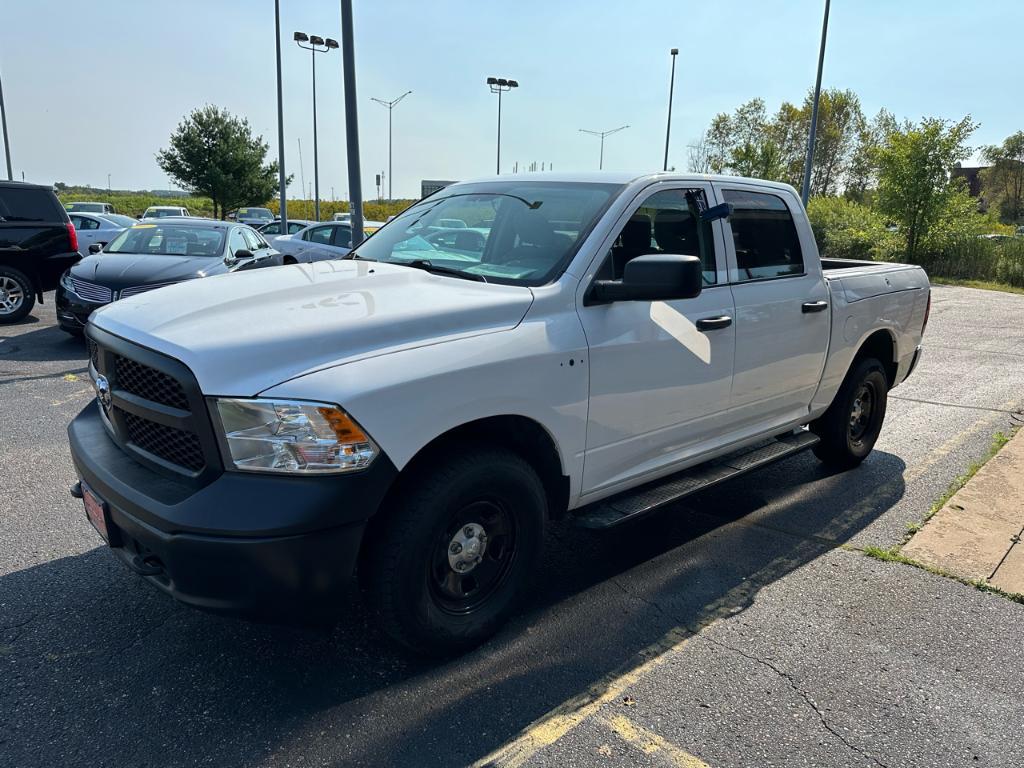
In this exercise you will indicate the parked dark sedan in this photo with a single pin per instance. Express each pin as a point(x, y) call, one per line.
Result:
point(152, 255)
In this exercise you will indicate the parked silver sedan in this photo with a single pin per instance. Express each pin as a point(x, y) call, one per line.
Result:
point(98, 228)
point(317, 242)
point(273, 230)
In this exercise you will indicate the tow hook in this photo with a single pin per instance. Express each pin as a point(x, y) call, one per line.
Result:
point(147, 566)
point(76, 490)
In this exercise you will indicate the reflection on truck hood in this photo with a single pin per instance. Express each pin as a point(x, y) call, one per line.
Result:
point(245, 332)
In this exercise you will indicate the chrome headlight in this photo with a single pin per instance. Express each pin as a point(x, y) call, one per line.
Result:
point(290, 436)
point(65, 281)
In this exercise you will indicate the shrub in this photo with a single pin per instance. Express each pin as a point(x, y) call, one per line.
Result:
point(848, 230)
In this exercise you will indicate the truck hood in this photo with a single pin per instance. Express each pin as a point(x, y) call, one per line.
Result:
point(245, 332)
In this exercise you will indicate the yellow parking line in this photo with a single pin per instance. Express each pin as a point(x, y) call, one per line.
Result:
point(651, 743)
point(558, 722)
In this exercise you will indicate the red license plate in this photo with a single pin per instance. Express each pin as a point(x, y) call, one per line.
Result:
point(96, 511)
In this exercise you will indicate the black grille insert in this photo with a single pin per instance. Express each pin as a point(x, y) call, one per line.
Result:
point(173, 445)
point(149, 383)
point(94, 353)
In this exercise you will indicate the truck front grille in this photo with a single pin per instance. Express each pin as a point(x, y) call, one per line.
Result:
point(172, 445)
point(149, 383)
point(155, 410)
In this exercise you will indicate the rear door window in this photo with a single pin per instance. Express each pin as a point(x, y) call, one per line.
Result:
point(321, 235)
point(342, 237)
point(30, 205)
point(764, 235)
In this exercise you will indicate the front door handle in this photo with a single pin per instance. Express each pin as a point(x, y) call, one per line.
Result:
point(814, 306)
point(714, 323)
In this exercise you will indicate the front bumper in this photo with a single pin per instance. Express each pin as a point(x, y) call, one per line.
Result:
point(269, 546)
point(72, 310)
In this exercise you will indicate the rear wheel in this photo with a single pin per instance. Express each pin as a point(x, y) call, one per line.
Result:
point(454, 554)
point(851, 425)
point(17, 297)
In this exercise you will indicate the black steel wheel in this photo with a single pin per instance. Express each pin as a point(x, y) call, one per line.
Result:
point(851, 425)
point(453, 552)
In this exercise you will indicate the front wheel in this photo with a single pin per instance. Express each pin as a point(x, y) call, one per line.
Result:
point(851, 425)
point(455, 551)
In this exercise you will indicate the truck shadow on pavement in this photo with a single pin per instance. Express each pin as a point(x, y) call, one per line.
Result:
point(99, 668)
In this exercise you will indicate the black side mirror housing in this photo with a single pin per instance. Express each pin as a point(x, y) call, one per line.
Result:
point(95, 247)
point(722, 211)
point(655, 277)
point(243, 254)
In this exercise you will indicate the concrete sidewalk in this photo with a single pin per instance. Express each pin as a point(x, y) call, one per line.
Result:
point(977, 534)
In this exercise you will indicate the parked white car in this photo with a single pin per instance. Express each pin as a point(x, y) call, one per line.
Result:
point(274, 230)
point(163, 211)
point(413, 416)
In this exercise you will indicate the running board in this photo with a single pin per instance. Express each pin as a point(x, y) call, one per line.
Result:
point(647, 498)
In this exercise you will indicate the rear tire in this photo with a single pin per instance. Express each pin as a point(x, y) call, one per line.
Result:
point(17, 295)
point(456, 550)
point(851, 425)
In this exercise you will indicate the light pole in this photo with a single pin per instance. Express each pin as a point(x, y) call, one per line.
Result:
point(108, 183)
point(7, 141)
point(316, 45)
point(814, 111)
point(282, 185)
point(671, 88)
point(355, 183)
point(602, 134)
point(498, 85)
point(390, 105)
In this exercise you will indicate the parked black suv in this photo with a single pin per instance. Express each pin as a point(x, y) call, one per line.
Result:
point(37, 244)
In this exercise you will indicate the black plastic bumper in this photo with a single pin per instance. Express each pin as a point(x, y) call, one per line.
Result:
point(73, 311)
point(276, 547)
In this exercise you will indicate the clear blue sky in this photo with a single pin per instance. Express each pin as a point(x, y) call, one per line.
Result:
point(96, 88)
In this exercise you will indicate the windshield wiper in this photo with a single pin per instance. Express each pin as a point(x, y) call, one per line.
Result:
point(427, 266)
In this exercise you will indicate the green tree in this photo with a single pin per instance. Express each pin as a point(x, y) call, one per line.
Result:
point(861, 172)
point(214, 153)
point(1004, 180)
point(914, 184)
point(840, 120)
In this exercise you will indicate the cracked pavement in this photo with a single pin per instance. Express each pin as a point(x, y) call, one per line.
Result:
point(736, 625)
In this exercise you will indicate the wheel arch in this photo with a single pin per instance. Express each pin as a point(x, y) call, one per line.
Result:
point(881, 345)
point(526, 437)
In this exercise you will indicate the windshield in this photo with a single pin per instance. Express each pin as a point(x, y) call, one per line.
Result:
point(121, 221)
point(255, 213)
point(85, 207)
point(161, 213)
point(514, 232)
point(168, 240)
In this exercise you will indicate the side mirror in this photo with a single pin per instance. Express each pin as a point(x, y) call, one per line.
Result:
point(243, 254)
point(655, 277)
point(722, 211)
point(96, 247)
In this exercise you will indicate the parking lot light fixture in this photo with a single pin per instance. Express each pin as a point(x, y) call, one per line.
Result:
point(499, 85)
point(390, 105)
point(602, 134)
point(315, 44)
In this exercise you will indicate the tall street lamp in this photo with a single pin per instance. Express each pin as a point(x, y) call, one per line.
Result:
point(809, 163)
point(390, 105)
point(315, 45)
point(602, 134)
point(499, 85)
point(671, 88)
point(282, 185)
point(7, 141)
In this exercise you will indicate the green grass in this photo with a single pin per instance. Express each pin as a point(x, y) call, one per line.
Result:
point(894, 555)
point(987, 285)
point(998, 441)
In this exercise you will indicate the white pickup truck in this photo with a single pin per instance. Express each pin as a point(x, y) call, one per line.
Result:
point(410, 417)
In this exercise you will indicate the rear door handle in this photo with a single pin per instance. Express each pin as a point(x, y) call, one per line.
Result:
point(714, 323)
point(814, 306)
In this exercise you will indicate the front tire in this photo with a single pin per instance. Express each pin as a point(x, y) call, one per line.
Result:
point(17, 295)
point(455, 551)
point(851, 425)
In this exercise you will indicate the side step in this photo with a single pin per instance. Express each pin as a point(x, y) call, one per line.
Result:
point(639, 501)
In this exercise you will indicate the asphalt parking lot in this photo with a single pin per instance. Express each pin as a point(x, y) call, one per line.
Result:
point(733, 630)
